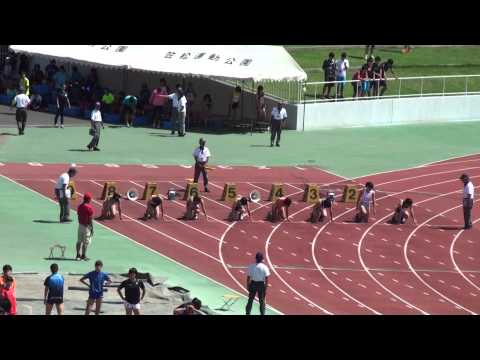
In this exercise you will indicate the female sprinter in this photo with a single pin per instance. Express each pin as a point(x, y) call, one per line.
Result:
point(280, 209)
point(154, 205)
point(403, 212)
point(367, 196)
point(319, 211)
point(240, 209)
point(194, 203)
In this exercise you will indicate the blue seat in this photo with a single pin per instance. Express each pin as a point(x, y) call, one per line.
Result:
point(74, 111)
point(140, 121)
point(41, 89)
point(111, 118)
point(5, 99)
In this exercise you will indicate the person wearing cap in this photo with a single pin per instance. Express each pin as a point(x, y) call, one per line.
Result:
point(85, 226)
point(63, 193)
point(96, 124)
point(468, 192)
point(257, 283)
point(201, 155)
point(279, 119)
point(21, 102)
point(132, 297)
point(97, 280)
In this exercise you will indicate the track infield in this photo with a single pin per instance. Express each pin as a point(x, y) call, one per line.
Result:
point(330, 268)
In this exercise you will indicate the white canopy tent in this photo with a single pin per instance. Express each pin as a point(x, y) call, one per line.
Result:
point(234, 62)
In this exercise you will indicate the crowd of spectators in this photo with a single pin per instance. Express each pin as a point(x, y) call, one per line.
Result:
point(368, 80)
point(84, 92)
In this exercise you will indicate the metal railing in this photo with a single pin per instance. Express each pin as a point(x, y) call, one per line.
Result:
point(419, 86)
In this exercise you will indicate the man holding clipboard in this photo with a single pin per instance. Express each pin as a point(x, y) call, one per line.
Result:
point(201, 155)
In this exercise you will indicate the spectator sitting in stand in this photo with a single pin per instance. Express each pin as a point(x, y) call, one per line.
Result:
point(107, 101)
point(51, 69)
point(37, 76)
point(143, 98)
point(190, 96)
point(76, 93)
point(76, 76)
point(207, 105)
point(60, 78)
point(24, 64)
point(117, 103)
point(35, 101)
point(92, 78)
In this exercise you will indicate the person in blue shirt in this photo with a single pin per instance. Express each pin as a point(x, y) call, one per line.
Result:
point(53, 294)
point(60, 78)
point(97, 280)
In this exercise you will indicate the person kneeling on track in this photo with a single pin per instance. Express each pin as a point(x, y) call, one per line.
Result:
point(240, 209)
point(154, 205)
point(111, 206)
point(194, 203)
point(280, 209)
point(403, 212)
point(319, 211)
point(366, 196)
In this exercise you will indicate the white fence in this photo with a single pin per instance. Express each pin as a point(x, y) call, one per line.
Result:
point(396, 88)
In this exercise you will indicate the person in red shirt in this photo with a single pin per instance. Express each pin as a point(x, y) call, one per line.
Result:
point(7, 272)
point(356, 85)
point(85, 226)
point(7, 292)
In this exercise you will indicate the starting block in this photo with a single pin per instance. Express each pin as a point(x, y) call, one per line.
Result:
point(191, 190)
point(311, 194)
point(149, 190)
point(73, 190)
point(229, 192)
point(350, 194)
point(57, 246)
point(109, 188)
point(276, 192)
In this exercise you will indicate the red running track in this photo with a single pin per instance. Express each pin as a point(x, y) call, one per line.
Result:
point(330, 268)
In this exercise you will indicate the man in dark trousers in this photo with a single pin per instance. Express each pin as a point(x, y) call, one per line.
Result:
point(62, 103)
point(21, 102)
point(468, 192)
point(257, 283)
point(278, 120)
point(201, 155)
point(330, 70)
point(62, 193)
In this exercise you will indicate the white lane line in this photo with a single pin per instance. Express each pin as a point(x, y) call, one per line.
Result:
point(236, 248)
point(298, 238)
point(293, 254)
point(383, 239)
point(150, 166)
point(302, 278)
point(341, 239)
point(306, 260)
point(35, 164)
point(112, 165)
point(396, 262)
point(299, 168)
point(314, 284)
point(2, 164)
point(186, 166)
point(142, 245)
point(398, 245)
point(279, 248)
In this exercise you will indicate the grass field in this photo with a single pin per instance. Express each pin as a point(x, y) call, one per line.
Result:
point(422, 61)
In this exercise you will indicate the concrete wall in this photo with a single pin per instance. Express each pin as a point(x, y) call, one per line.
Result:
point(392, 111)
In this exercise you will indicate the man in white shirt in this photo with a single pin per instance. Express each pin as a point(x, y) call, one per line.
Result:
point(21, 102)
point(257, 283)
point(279, 119)
point(179, 111)
point(63, 193)
point(96, 123)
point(201, 155)
point(342, 67)
point(468, 192)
